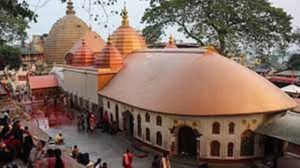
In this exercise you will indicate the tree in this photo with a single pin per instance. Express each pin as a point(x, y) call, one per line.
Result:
point(296, 37)
point(10, 57)
point(231, 25)
point(14, 19)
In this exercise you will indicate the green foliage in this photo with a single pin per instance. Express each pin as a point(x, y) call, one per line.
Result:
point(294, 62)
point(10, 57)
point(296, 37)
point(14, 18)
point(231, 25)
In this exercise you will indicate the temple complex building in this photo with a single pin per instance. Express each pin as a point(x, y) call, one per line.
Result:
point(188, 102)
point(171, 100)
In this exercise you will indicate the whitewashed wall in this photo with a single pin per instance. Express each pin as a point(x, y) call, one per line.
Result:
point(202, 124)
point(82, 83)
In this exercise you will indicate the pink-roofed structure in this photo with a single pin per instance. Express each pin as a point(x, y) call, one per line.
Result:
point(44, 86)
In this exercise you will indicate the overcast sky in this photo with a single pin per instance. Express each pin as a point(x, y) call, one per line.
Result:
point(51, 10)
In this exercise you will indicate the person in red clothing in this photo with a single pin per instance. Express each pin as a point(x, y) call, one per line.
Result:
point(127, 159)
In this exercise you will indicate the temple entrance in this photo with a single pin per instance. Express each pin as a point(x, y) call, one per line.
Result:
point(128, 123)
point(187, 141)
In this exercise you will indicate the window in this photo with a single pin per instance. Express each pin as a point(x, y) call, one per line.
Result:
point(117, 108)
point(216, 128)
point(158, 120)
point(108, 104)
point(230, 149)
point(231, 128)
point(147, 134)
point(247, 143)
point(147, 117)
point(139, 120)
point(215, 148)
point(158, 138)
point(111, 118)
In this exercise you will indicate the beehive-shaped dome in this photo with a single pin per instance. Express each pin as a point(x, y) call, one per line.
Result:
point(63, 35)
point(109, 57)
point(83, 56)
point(125, 38)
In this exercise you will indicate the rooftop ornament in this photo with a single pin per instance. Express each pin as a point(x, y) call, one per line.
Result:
point(124, 14)
point(70, 7)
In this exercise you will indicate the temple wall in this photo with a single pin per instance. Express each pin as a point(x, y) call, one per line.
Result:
point(82, 83)
point(203, 125)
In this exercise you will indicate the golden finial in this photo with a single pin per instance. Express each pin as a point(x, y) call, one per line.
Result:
point(109, 40)
point(70, 7)
point(124, 14)
point(171, 39)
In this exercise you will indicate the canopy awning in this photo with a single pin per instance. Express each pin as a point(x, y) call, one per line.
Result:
point(291, 89)
point(284, 126)
point(283, 79)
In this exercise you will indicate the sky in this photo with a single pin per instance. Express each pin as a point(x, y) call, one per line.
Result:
point(49, 11)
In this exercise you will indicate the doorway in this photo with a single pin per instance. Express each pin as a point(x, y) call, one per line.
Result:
point(187, 141)
point(128, 124)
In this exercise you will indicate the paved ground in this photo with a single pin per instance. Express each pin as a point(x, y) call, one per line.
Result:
point(108, 147)
point(99, 145)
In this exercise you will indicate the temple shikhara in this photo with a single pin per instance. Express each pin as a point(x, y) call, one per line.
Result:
point(185, 101)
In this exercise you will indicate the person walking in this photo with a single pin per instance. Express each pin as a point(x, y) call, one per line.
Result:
point(165, 161)
point(127, 159)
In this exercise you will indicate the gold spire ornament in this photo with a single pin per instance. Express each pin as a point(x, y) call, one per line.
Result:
point(171, 39)
point(124, 14)
point(70, 7)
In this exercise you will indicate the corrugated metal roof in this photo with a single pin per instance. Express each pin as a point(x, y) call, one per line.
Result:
point(284, 126)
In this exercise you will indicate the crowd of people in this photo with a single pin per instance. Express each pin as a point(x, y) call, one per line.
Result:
point(87, 122)
point(16, 142)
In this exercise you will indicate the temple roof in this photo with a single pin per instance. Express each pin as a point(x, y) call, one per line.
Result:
point(125, 38)
point(83, 55)
point(195, 82)
point(109, 57)
point(93, 40)
point(284, 126)
point(63, 35)
point(41, 82)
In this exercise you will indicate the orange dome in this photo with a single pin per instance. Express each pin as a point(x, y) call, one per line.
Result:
point(171, 43)
point(193, 82)
point(109, 57)
point(83, 56)
point(125, 38)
